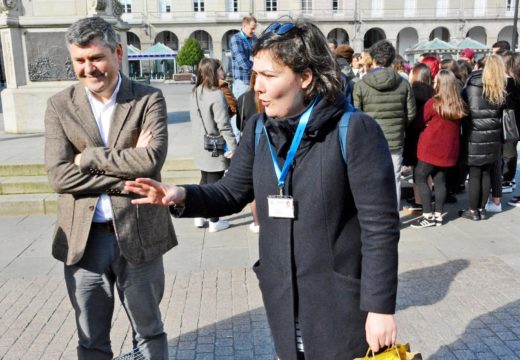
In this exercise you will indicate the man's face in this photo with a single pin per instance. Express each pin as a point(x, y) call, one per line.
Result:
point(249, 29)
point(96, 66)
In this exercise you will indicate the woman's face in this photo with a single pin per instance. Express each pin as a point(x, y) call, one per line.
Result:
point(280, 90)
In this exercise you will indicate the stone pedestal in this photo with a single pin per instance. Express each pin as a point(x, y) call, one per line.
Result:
point(37, 62)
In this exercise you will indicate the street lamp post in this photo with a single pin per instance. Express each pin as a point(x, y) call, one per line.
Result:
point(515, 31)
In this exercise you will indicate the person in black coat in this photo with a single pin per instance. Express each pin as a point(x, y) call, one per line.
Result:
point(328, 264)
point(482, 132)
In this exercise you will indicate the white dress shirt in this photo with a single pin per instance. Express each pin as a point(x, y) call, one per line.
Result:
point(103, 114)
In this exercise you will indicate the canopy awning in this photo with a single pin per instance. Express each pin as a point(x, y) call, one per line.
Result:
point(435, 45)
point(157, 52)
point(469, 43)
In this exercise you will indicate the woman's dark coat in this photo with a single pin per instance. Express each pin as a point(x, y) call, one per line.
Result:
point(338, 259)
point(482, 129)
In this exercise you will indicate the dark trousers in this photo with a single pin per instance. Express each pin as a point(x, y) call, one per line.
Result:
point(479, 184)
point(438, 174)
point(90, 284)
point(210, 178)
point(510, 158)
point(496, 178)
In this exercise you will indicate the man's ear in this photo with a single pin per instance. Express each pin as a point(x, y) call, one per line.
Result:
point(306, 78)
point(119, 53)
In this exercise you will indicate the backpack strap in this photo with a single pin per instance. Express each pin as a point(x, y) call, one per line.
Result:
point(343, 131)
point(258, 131)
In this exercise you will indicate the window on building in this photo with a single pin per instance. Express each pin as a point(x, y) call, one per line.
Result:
point(198, 5)
point(509, 5)
point(409, 8)
point(377, 8)
point(335, 6)
point(307, 6)
point(442, 8)
point(127, 5)
point(165, 6)
point(480, 7)
point(232, 5)
point(271, 5)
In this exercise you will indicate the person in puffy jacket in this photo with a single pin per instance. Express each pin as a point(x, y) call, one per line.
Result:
point(384, 95)
point(482, 131)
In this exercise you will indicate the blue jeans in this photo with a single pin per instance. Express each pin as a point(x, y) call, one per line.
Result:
point(90, 284)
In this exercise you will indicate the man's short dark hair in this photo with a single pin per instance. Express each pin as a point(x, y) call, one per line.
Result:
point(83, 31)
point(383, 53)
point(502, 45)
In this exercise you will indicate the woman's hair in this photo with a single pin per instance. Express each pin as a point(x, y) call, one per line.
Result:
point(305, 47)
point(207, 74)
point(513, 67)
point(451, 65)
point(433, 64)
point(398, 64)
point(464, 70)
point(420, 73)
point(447, 101)
point(494, 80)
point(258, 104)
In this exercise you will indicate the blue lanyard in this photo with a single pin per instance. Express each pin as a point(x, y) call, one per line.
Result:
point(281, 175)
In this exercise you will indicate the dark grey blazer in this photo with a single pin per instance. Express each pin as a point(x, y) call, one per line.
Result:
point(144, 232)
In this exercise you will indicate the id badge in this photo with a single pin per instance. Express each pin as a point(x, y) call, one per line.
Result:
point(280, 206)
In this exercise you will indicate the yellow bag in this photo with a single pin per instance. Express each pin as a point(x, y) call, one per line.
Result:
point(396, 352)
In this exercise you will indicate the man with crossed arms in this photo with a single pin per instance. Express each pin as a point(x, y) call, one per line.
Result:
point(98, 133)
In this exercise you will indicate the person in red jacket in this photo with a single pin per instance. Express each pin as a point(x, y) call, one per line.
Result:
point(438, 146)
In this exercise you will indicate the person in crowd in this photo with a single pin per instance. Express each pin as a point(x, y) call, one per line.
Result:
point(399, 66)
point(98, 133)
point(453, 66)
point(249, 105)
point(464, 70)
point(356, 64)
point(332, 44)
point(224, 87)
point(438, 147)
point(433, 63)
point(509, 148)
point(467, 55)
point(388, 98)
point(344, 58)
point(366, 63)
point(209, 116)
point(482, 131)
point(241, 45)
point(328, 266)
point(500, 46)
point(421, 82)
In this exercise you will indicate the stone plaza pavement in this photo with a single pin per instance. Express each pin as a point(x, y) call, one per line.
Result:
point(458, 297)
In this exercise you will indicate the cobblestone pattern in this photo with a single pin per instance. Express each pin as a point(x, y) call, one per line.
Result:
point(453, 310)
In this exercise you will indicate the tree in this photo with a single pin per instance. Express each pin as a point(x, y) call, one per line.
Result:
point(191, 53)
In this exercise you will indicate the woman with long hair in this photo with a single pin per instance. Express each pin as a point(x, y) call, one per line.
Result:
point(485, 94)
point(438, 147)
point(209, 115)
point(329, 222)
point(420, 80)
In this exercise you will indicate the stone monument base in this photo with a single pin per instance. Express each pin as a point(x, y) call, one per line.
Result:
point(24, 107)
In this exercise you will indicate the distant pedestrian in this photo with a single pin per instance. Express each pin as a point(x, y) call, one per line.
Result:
point(241, 45)
point(388, 98)
point(499, 46)
point(482, 131)
point(438, 147)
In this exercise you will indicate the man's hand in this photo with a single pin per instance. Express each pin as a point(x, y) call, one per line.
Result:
point(155, 192)
point(145, 137)
point(77, 159)
point(381, 331)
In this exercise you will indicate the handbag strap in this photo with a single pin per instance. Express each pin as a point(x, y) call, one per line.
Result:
point(200, 113)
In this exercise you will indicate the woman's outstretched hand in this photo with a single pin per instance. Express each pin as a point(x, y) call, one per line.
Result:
point(155, 193)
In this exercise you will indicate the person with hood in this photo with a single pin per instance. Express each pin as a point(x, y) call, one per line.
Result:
point(388, 98)
point(328, 247)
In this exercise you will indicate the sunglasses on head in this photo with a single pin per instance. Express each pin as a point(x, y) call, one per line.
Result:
point(280, 29)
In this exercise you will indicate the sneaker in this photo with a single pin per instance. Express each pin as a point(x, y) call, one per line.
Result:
point(423, 222)
point(438, 220)
point(217, 226)
point(514, 201)
point(483, 214)
point(469, 214)
point(492, 207)
point(199, 222)
point(254, 228)
point(507, 187)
